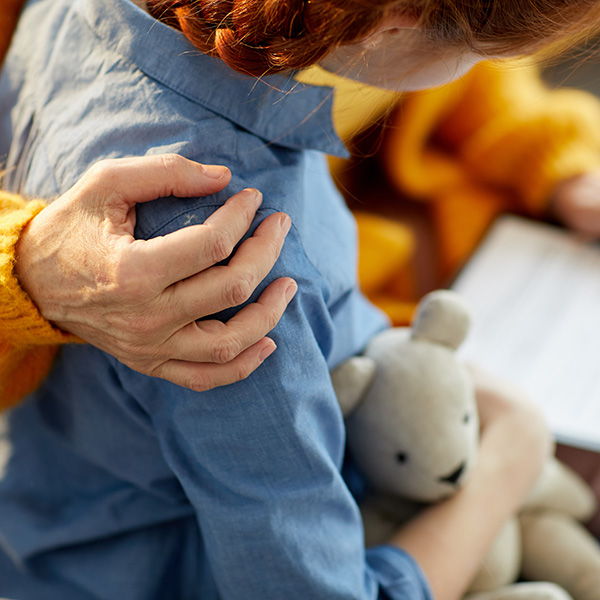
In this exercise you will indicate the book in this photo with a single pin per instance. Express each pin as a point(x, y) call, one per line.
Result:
point(534, 291)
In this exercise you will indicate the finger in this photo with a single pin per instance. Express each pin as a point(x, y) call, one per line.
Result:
point(225, 286)
point(587, 223)
point(205, 376)
point(193, 249)
point(217, 342)
point(140, 179)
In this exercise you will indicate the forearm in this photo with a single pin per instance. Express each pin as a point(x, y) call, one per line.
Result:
point(449, 540)
point(9, 15)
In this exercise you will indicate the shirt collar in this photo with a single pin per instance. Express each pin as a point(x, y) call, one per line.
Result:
point(276, 108)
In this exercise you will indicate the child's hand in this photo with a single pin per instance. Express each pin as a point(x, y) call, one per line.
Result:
point(515, 440)
point(576, 202)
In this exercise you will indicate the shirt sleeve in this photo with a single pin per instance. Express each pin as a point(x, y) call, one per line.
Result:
point(260, 462)
point(398, 573)
point(27, 340)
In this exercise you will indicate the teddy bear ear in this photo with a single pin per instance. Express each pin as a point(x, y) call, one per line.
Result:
point(351, 380)
point(443, 317)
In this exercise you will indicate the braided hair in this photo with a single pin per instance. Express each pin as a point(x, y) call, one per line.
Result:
point(258, 37)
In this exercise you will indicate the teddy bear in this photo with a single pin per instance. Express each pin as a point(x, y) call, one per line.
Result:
point(412, 430)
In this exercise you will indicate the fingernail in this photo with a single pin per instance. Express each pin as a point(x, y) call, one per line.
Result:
point(285, 224)
point(267, 351)
point(215, 171)
point(291, 290)
point(254, 194)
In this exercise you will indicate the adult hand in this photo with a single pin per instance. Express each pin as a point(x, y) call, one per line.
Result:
point(139, 300)
point(576, 202)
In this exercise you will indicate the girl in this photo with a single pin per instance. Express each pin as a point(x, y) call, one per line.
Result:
point(119, 485)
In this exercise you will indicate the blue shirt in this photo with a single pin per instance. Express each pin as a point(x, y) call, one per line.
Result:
point(124, 486)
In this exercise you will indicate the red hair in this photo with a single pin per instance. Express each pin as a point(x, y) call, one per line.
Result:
point(259, 37)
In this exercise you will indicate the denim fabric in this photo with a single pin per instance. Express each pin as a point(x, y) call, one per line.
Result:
point(123, 486)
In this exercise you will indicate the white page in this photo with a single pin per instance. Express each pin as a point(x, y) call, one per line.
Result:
point(535, 295)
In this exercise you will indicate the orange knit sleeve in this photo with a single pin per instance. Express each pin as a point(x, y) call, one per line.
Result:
point(512, 131)
point(27, 341)
point(499, 126)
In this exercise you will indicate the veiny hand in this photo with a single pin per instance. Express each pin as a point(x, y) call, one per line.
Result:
point(576, 202)
point(139, 300)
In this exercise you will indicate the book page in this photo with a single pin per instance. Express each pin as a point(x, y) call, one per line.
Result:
point(535, 295)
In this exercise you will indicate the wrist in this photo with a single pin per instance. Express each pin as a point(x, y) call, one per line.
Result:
point(21, 322)
point(24, 255)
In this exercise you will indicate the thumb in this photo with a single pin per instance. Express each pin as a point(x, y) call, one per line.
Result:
point(141, 179)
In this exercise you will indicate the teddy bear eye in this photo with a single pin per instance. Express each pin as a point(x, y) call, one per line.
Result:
point(401, 457)
point(467, 418)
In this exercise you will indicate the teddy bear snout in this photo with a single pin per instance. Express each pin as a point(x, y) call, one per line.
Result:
point(454, 477)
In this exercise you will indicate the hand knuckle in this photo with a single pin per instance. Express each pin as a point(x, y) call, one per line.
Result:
point(273, 318)
point(224, 351)
point(275, 246)
point(104, 171)
point(240, 288)
point(171, 162)
point(241, 372)
point(97, 170)
point(220, 245)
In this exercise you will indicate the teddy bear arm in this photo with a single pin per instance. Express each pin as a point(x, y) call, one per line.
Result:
point(350, 381)
point(557, 548)
point(558, 487)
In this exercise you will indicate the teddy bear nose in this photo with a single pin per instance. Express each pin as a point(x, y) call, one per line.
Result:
point(454, 476)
